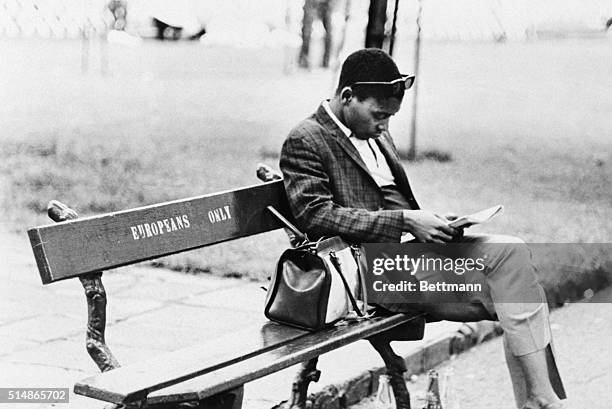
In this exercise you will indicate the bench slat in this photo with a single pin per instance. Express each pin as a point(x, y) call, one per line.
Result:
point(131, 383)
point(174, 367)
point(81, 246)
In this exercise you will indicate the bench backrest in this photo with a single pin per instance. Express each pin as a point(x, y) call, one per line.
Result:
point(72, 248)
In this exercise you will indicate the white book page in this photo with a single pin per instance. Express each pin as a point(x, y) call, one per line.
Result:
point(478, 217)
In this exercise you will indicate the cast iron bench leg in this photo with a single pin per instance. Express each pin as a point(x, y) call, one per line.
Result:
point(396, 366)
point(395, 370)
point(96, 322)
point(299, 390)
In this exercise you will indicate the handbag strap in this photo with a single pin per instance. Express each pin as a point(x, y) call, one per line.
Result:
point(334, 259)
point(364, 294)
point(302, 237)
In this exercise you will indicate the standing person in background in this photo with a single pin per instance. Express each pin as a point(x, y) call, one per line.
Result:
point(323, 10)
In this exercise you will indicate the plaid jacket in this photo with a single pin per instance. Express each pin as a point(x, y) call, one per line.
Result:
point(329, 188)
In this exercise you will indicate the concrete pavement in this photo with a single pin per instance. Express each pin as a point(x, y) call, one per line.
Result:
point(150, 311)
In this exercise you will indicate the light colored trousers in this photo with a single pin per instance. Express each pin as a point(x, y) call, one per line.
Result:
point(511, 294)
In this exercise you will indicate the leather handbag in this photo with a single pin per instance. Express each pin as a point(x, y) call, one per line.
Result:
point(316, 284)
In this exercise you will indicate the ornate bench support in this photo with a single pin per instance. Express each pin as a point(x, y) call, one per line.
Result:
point(396, 366)
point(395, 370)
point(299, 390)
point(96, 301)
point(96, 322)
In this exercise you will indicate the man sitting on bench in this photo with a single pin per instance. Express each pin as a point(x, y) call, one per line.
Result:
point(343, 176)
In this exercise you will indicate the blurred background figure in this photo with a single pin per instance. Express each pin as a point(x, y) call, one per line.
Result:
point(329, 12)
point(176, 19)
point(118, 9)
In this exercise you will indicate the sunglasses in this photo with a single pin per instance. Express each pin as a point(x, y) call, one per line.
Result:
point(406, 81)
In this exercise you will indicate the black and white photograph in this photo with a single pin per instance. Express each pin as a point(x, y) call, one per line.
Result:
point(306, 204)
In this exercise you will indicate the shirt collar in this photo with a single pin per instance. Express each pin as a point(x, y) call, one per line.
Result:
point(334, 118)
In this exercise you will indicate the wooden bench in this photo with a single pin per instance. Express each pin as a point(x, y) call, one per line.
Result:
point(210, 374)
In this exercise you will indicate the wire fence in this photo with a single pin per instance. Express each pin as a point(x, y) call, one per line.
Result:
point(53, 18)
point(442, 19)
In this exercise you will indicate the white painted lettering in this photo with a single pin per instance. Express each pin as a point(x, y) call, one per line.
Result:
point(219, 214)
point(157, 227)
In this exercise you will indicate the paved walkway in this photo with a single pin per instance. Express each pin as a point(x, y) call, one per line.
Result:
point(583, 336)
point(152, 311)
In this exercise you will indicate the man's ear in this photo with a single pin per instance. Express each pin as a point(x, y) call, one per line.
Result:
point(346, 94)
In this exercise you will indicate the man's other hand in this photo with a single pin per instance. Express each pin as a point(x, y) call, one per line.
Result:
point(428, 227)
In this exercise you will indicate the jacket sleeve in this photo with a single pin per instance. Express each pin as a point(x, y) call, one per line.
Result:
point(311, 200)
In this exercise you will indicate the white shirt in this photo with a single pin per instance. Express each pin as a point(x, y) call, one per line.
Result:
point(368, 150)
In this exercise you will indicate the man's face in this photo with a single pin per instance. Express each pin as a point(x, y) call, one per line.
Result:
point(370, 117)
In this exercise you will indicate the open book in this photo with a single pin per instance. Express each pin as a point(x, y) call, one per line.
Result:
point(478, 217)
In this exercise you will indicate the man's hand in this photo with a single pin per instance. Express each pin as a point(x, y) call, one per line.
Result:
point(458, 230)
point(428, 227)
point(450, 216)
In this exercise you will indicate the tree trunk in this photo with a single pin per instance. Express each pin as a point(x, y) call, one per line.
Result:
point(375, 31)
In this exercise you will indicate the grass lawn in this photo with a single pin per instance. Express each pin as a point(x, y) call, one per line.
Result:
point(528, 125)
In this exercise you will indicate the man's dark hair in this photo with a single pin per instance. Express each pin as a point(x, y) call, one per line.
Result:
point(368, 65)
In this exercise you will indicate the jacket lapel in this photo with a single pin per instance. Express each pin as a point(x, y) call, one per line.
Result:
point(393, 160)
point(351, 151)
